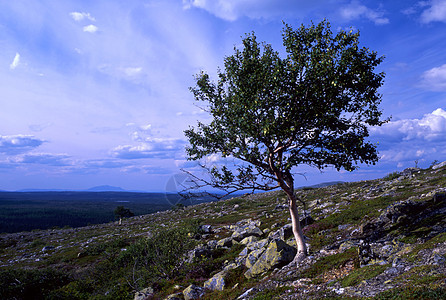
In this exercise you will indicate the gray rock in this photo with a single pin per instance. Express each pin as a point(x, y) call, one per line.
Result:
point(177, 296)
point(226, 242)
point(438, 166)
point(249, 240)
point(217, 282)
point(244, 231)
point(47, 248)
point(193, 292)
point(436, 259)
point(276, 255)
point(205, 228)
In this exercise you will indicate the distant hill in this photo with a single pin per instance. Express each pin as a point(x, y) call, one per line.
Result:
point(106, 188)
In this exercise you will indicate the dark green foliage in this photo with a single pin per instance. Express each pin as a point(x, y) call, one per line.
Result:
point(312, 107)
point(122, 212)
point(30, 284)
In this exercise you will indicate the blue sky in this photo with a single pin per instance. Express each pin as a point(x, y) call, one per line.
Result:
point(96, 92)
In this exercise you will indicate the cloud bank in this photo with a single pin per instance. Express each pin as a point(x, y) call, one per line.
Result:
point(404, 141)
point(16, 144)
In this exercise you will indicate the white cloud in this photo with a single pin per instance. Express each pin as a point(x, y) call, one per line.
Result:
point(432, 127)
point(405, 141)
point(355, 10)
point(79, 16)
point(435, 12)
point(44, 159)
point(90, 28)
point(15, 61)
point(15, 144)
point(231, 10)
point(435, 79)
point(150, 148)
point(131, 72)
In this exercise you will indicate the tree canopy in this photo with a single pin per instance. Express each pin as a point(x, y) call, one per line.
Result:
point(314, 106)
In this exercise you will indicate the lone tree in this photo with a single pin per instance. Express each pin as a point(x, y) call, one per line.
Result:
point(122, 212)
point(271, 114)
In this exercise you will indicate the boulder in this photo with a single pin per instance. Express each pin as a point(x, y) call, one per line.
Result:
point(249, 240)
point(217, 282)
point(193, 292)
point(244, 231)
point(253, 256)
point(276, 255)
point(258, 245)
point(283, 233)
point(226, 242)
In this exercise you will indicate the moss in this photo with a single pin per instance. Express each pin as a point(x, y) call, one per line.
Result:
point(421, 276)
point(270, 294)
point(413, 255)
point(411, 292)
point(358, 275)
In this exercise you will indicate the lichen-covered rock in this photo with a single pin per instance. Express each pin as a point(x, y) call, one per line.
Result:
point(245, 231)
point(249, 240)
point(258, 245)
point(217, 282)
point(226, 242)
point(253, 257)
point(276, 255)
point(193, 292)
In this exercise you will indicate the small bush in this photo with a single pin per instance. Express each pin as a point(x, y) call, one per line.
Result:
point(30, 284)
point(392, 176)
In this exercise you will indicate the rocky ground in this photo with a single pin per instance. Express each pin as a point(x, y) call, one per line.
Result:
point(380, 238)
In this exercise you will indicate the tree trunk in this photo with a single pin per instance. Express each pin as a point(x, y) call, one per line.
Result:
point(297, 230)
point(120, 220)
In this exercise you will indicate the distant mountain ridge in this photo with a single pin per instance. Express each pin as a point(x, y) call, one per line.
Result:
point(106, 188)
point(99, 188)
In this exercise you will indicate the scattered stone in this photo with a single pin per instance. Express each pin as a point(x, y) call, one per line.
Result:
point(47, 248)
point(177, 296)
point(145, 294)
point(205, 229)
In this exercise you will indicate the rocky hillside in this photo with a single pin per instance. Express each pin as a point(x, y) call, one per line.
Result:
point(380, 239)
